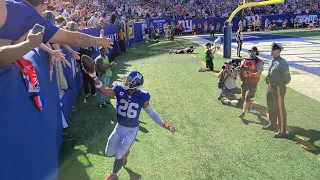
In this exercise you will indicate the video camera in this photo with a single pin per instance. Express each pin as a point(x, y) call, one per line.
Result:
point(236, 63)
point(213, 47)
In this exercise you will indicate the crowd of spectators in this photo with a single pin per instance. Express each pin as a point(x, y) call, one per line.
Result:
point(18, 36)
point(86, 14)
point(289, 7)
point(100, 13)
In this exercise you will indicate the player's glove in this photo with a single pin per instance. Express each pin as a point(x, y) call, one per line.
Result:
point(169, 127)
point(93, 75)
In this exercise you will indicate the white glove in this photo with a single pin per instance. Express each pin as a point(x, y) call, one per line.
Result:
point(93, 75)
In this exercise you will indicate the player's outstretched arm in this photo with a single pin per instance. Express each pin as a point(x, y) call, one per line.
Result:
point(156, 118)
point(106, 91)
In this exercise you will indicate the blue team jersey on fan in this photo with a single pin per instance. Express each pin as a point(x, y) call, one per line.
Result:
point(21, 18)
point(129, 106)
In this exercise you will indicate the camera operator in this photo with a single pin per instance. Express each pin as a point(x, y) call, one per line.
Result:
point(227, 82)
point(250, 72)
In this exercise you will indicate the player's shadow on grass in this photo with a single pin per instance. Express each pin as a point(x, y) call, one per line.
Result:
point(133, 175)
point(141, 122)
point(143, 129)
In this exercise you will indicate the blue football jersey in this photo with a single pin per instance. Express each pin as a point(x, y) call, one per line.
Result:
point(129, 106)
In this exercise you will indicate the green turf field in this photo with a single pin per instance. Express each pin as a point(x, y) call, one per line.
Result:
point(211, 141)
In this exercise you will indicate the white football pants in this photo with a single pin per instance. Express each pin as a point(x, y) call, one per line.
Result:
point(120, 140)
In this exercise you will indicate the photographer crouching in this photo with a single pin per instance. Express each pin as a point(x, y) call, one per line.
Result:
point(250, 72)
point(227, 82)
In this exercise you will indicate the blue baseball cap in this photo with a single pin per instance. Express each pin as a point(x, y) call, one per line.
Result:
point(228, 63)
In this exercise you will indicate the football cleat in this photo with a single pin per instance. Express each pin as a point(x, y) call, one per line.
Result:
point(112, 176)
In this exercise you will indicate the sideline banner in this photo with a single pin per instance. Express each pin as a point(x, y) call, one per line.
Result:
point(187, 24)
point(199, 24)
point(158, 22)
point(280, 18)
point(131, 30)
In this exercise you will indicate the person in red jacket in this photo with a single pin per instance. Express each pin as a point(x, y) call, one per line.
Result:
point(250, 73)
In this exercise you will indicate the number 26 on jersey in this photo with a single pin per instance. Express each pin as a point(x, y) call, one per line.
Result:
point(127, 109)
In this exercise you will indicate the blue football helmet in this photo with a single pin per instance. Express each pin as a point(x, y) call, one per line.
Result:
point(133, 80)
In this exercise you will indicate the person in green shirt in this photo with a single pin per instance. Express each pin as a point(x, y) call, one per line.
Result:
point(103, 68)
point(208, 57)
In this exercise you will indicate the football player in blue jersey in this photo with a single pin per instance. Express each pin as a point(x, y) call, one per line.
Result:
point(130, 101)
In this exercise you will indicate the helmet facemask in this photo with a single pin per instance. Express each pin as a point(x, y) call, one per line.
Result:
point(129, 83)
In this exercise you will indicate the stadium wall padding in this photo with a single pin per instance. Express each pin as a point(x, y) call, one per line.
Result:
point(158, 22)
point(279, 18)
point(187, 23)
point(31, 139)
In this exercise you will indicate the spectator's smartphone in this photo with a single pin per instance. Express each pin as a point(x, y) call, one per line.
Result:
point(37, 28)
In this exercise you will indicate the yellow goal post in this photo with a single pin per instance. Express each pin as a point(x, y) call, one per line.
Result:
point(253, 4)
